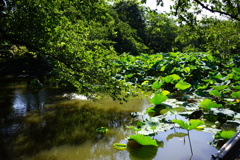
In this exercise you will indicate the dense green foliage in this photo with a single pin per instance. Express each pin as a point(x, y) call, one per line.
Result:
point(83, 43)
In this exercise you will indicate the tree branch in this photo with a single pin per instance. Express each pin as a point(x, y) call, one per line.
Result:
point(213, 11)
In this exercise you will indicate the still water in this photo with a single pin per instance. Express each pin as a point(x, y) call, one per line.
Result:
point(53, 124)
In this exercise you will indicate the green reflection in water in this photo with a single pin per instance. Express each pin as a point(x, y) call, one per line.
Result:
point(67, 123)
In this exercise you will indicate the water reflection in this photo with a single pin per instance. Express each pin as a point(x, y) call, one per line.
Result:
point(40, 124)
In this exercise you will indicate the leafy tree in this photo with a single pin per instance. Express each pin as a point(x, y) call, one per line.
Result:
point(161, 32)
point(130, 27)
point(72, 35)
point(209, 34)
point(182, 8)
point(132, 13)
point(220, 37)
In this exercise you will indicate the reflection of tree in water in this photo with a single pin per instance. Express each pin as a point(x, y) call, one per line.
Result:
point(66, 124)
point(16, 99)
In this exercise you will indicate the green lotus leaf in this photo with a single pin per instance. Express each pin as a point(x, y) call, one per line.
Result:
point(158, 98)
point(187, 69)
point(192, 124)
point(218, 76)
point(175, 77)
point(157, 85)
point(143, 140)
point(202, 87)
point(236, 70)
point(219, 87)
point(119, 146)
point(225, 134)
point(210, 57)
point(208, 104)
point(182, 85)
point(236, 94)
point(215, 93)
point(165, 92)
point(168, 79)
point(102, 130)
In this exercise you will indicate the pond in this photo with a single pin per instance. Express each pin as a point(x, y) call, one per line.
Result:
point(52, 123)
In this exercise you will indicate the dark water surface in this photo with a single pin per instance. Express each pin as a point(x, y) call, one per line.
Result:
point(53, 124)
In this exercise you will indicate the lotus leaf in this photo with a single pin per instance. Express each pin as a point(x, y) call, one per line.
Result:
point(219, 87)
point(157, 85)
point(175, 77)
point(236, 70)
point(102, 130)
point(192, 124)
point(119, 146)
point(236, 95)
point(158, 98)
point(215, 93)
point(225, 134)
point(187, 69)
point(207, 104)
point(182, 85)
point(143, 140)
point(168, 79)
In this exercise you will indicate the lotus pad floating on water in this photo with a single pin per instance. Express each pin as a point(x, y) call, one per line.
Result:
point(102, 130)
point(119, 146)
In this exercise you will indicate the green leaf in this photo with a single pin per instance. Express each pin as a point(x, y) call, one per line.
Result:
point(192, 124)
point(236, 70)
point(165, 92)
point(236, 94)
point(218, 76)
point(119, 146)
point(143, 140)
point(157, 85)
point(219, 87)
point(102, 130)
point(168, 79)
point(208, 104)
point(203, 87)
point(175, 77)
point(182, 85)
point(227, 134)
point(215, 93)
point(187, 69)
point(158, 98)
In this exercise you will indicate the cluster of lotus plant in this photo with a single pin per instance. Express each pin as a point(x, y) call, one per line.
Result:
point(175, 75)
point(159, 112)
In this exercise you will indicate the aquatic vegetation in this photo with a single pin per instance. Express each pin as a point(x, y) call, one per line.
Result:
point(191, 124)
point(119, 146)
point(102, 130)
point(182, 85)
point(142, 140)
point(208, 103)
point(225, 134)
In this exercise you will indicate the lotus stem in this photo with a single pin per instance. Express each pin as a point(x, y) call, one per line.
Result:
point(190, 142)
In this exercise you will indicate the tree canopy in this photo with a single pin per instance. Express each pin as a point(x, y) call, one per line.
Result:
point(189, 9)
point(82, 41)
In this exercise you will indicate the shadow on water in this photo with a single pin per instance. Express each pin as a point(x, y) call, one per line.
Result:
point(34, 121)
point(66, 124)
